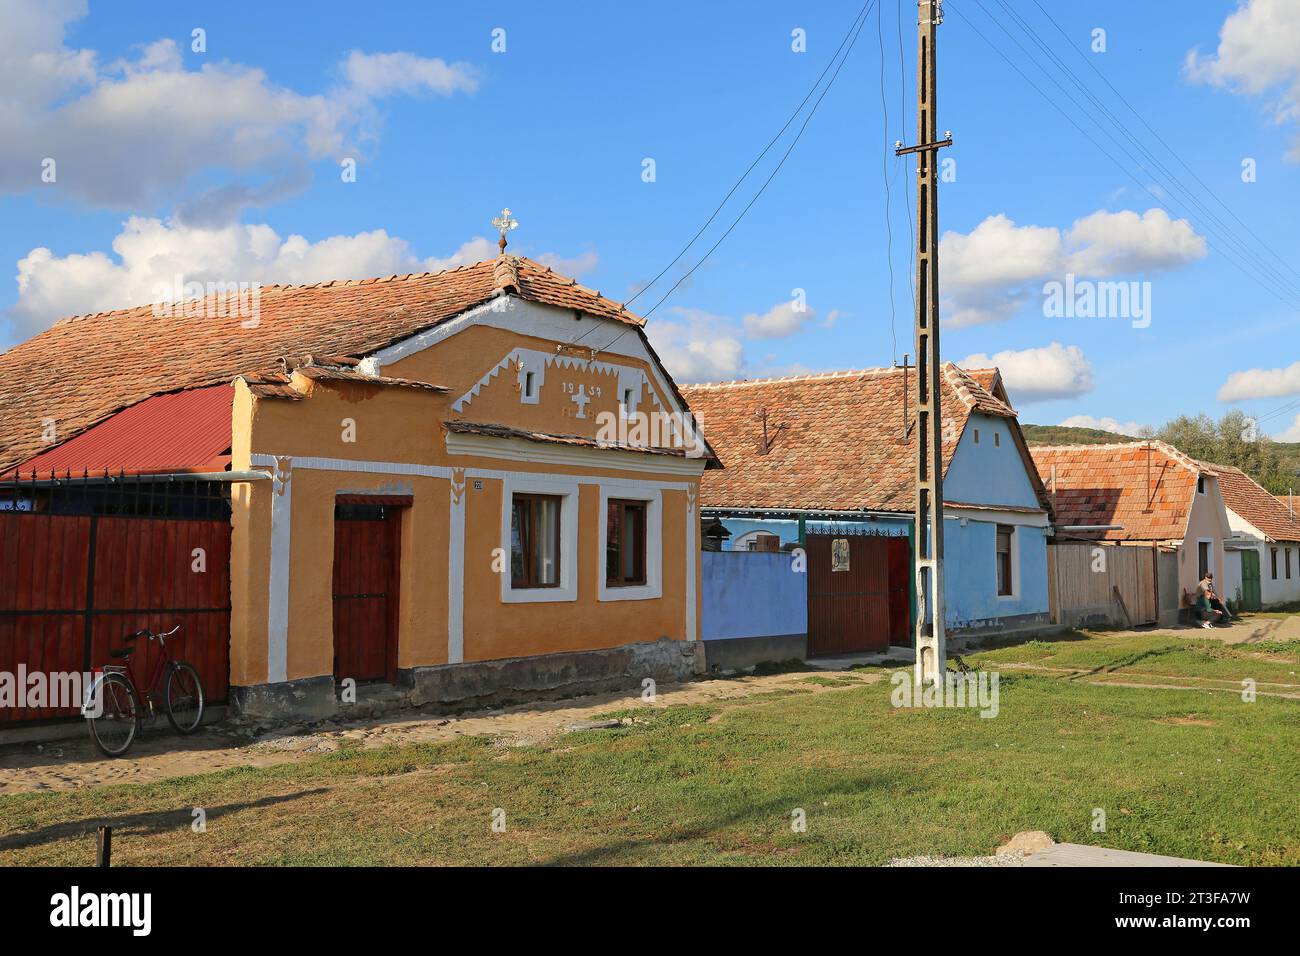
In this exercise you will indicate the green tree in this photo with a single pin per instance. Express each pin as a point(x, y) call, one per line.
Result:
point(1233, 440)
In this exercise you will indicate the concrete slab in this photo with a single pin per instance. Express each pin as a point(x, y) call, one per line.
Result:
point(903, 656)
point(1076, 854)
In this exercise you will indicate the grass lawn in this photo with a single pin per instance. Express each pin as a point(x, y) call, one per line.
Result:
point(1195, 773)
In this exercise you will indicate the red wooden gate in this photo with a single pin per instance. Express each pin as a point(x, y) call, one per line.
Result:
point(367, 549)
point(863, 607)
point(71, 585)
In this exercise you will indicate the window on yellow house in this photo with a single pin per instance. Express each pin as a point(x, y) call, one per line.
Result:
point(535, 541)
point(625, 544)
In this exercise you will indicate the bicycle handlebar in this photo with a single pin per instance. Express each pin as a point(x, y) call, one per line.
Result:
point(145, 632)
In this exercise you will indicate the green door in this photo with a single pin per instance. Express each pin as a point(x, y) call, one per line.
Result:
point(1250, 581)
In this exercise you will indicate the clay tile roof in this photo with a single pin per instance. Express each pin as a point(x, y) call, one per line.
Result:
point(1247, 498)
point(1108, 484)
point(506, 431)
point(86, 368)
point(836, 438)
point(336, 373)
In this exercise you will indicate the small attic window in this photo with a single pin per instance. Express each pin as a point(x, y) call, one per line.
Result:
point(627, 398)
point(997, 439)
point(1200, 484)
point(529, 385)
point(977, 436)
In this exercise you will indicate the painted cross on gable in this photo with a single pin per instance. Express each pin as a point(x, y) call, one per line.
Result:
point(580, 399)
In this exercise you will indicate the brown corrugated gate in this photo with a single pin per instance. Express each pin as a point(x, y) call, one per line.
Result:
point(864, 605)
point(72, 585)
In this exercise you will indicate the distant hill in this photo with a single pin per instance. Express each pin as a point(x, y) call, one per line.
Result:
point(1069, 435)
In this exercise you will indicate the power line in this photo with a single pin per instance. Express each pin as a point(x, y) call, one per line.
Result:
point(1159, 201)
point(1188, 196)
point(799, 109)
point(884, 175)
point(1161, 139)
point(861, 21)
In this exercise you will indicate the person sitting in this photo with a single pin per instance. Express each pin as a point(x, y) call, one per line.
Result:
point(1215, 602)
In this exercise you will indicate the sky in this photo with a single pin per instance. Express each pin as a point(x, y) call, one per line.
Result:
point(285, 142)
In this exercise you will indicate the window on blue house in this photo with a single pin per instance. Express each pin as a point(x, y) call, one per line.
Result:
point(1005, 580)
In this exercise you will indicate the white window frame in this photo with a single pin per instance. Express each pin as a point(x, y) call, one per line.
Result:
point(1211, 564)
point(567, 491)
point(654, 533)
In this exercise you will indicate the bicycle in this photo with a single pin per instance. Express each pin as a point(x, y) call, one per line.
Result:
point(113, 708)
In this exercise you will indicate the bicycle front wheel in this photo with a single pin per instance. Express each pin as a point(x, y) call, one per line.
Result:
point(184, 698)
point(115, 720)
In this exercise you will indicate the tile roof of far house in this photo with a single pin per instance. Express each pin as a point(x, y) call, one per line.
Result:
point(1108, 484)
point(836, 438)
point(86, 368)
point(1247, 498)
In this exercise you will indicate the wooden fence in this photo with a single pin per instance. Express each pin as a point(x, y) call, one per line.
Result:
point(1096, 584)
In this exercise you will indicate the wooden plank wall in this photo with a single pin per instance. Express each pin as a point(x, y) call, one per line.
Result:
point(1076, 584)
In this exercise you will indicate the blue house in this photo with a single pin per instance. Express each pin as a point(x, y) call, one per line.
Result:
point(820, 468)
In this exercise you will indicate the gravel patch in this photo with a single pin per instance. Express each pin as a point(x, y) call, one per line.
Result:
point(1006, 859)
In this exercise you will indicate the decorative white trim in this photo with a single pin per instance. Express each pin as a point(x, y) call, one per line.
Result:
point(456, 571)
point(443, 471)
point(277, 605)
point(570, 456)
point(536, 321)
point(654, 555)
point(692, 552)
point(1024, 519)
point(568, 490)
point(363, 467)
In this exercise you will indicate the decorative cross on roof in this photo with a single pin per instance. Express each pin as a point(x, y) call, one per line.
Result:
point(505, 222)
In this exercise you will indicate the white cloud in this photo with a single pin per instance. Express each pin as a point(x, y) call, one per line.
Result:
point(1122, 243)
point(574, 266)
point(991, 272)
point(150, 253)
point(1257, 56)
point(1039, 374)
point(1291, 434)
point(1261, 383)
point(782, 320)
point(1108, 424)
point(697, 346)
point(135, 131)
point(383, 74)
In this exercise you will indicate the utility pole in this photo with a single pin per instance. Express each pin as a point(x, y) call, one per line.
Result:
point(931, 649)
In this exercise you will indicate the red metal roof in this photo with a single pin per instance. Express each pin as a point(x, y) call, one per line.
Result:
point(181, 431)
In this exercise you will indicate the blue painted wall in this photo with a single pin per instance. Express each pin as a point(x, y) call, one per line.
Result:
point(990, 471)
point(970, 573)
point(970, 580)
point(753, 594)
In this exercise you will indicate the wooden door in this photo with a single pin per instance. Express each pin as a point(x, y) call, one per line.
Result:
point(367, 557)
point(850, 595)
point(1250, 586)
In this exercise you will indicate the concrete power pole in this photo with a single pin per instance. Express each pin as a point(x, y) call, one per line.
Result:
point(931, 650)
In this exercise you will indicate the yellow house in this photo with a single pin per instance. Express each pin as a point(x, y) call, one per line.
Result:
point(467, 484)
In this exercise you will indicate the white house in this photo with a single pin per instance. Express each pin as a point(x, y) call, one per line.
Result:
point(1266, 536)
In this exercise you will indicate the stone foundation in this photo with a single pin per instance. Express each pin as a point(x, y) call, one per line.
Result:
point(485, 683)
point(554, 675)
